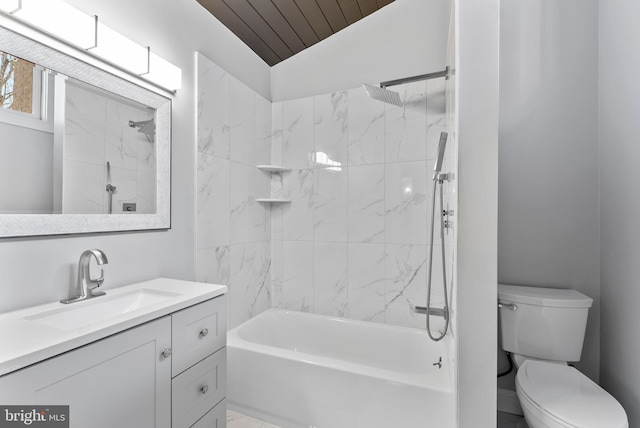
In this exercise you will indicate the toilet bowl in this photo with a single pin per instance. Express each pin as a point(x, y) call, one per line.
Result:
point(559, 396)
point(544, 328)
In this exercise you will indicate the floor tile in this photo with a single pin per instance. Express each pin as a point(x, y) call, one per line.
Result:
point(507, 420)
point(238, 420)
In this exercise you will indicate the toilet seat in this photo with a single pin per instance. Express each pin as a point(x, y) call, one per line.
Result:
point(563, 395)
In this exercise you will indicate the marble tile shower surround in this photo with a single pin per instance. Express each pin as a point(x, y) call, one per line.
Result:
point(353, 242)
point(98, 133)
point(233, 230)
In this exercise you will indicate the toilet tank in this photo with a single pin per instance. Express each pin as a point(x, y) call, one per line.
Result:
point(544, 323)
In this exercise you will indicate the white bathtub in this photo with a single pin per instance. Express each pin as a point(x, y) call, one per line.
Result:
point(302, 370)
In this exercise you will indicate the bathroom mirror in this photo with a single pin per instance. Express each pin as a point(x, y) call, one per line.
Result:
point(81, 150)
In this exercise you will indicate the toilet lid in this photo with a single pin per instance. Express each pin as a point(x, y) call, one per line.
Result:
point(568, 395)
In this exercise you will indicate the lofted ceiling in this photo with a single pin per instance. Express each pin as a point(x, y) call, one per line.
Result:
point(279, 29)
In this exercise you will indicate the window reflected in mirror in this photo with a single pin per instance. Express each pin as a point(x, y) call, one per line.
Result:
point(16, 83)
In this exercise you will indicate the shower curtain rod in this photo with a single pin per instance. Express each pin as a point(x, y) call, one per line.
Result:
point(444, 73)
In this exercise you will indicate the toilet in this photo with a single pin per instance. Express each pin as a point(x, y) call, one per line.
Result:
point(544, 329)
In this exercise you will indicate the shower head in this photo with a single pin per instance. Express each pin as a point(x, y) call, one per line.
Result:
point(441, 147)
point(382, 94)
point(147, 127)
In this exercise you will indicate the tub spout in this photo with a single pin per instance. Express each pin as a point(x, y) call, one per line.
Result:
point(438, 312)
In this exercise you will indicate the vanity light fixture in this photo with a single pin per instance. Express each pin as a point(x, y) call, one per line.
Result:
point(58, 18)
point(63, 21)
point(161, 71)
point(116, 48)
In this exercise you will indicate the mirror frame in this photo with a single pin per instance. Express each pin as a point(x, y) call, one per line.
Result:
point(24, 225)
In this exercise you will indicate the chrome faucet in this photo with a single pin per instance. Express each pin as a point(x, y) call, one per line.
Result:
point(86, 285)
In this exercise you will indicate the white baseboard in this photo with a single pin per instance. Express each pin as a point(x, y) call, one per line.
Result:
point(508, 402)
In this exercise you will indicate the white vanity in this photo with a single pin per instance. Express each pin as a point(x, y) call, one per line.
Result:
point(150, 354)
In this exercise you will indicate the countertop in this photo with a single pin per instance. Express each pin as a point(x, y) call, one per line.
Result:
point(24, 340)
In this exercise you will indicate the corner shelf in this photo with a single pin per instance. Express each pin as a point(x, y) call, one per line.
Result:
point(273, 168)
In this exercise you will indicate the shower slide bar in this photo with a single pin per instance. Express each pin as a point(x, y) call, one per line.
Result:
point(444, 73)
point(110, 188)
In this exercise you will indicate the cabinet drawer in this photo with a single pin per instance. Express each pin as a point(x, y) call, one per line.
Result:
point(198, 390)
point(198, 332)
point(216, 418)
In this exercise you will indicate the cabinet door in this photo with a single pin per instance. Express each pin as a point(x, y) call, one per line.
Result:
point(120, 381)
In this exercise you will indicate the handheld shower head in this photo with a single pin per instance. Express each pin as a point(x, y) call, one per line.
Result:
point(441, 147)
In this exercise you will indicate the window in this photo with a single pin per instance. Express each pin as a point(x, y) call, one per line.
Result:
point(24, 98)
point(16, 83)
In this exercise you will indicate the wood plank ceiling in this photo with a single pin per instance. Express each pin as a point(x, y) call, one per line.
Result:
point(279, 29)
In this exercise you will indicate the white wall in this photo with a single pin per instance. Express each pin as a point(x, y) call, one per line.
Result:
point(477, 72)
point(26, 168)
point(38, 270)
point(619, 203)
point(548, 205)
point(405, 38)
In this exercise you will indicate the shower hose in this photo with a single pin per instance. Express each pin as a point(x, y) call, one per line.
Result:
point(437, 180)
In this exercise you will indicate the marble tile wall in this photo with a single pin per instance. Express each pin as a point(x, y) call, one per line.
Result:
point(353, 242)
point(233, 230)
point(96, 133)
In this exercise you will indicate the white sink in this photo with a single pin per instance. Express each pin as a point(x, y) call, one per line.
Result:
point(98, 309)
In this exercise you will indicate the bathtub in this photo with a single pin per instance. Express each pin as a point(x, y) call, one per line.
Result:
point(296, 369)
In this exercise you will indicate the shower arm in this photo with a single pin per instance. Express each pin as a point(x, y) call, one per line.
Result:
point(444, 73)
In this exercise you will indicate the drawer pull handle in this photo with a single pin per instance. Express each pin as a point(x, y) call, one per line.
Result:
point(204, 332)
point(204, 389)
point(166, 353)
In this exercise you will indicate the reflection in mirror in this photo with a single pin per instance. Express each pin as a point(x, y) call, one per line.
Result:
point(81, 150)
point(108, 153)
point(26, 164)
point(72, 148)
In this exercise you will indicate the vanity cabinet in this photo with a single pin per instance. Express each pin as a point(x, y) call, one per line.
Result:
point(120, 381)
point(166, 373)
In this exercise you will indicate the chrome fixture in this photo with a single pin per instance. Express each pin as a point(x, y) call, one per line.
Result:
point(110, 188)
point(444, 73)
point(441, 148)
point(437, 312)
point(86, 285)
point(438, 179)
point(390, 97)
point(146, 127)
point(384, 95)
point(438, 363)
point(511, 306)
